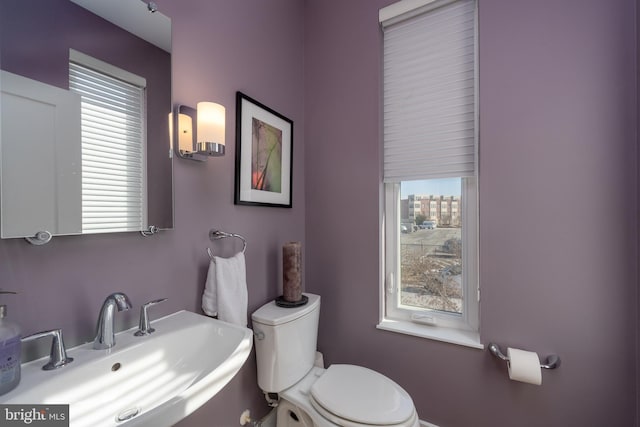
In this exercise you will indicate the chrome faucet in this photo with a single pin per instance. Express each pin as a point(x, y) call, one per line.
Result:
point(145, 327)
point(58, 355)
point(105, 336)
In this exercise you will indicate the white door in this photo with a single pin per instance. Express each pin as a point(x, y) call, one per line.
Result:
point(40, 158)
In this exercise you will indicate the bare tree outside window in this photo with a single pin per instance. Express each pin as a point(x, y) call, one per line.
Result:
point(431, 257)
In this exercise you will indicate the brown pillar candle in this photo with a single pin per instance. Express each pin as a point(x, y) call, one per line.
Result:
point(292, 272)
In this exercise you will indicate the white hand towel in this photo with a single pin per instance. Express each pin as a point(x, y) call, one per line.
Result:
point(226, 290)
point(210, 295)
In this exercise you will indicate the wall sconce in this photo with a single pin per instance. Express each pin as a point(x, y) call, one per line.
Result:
point(199, 132)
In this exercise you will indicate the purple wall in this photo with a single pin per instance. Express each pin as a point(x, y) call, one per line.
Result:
point(558, 161)
point(558, 224)
point(219, 47)
point(638, 209)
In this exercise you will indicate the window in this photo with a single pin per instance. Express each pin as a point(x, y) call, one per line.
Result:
point(430, 279)
point(113, 145)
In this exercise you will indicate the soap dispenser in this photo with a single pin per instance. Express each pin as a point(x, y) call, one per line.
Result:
point(10, 349)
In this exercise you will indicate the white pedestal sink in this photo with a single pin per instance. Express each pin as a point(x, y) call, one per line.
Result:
point(155, 380)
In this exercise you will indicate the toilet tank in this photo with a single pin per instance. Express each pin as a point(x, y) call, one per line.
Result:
point(285, 341)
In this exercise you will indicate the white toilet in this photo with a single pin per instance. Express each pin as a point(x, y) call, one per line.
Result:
point(311, 396)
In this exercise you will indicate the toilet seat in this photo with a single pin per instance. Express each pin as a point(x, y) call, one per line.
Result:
point(354, 396)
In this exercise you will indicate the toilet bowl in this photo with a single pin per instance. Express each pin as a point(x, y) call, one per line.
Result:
point(368, 403)
point(311, 396)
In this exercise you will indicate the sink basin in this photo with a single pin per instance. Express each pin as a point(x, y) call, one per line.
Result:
point(155, 380)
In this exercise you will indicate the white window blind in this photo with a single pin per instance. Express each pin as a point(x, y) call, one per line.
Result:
point(429, 94)
point(113, 150)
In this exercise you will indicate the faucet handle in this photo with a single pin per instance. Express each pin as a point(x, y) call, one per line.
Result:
point(144, 328)
point(58, 357)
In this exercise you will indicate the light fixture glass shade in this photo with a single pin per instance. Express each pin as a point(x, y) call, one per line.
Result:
point(171, 135)
point(211, 123)
point(185, 133)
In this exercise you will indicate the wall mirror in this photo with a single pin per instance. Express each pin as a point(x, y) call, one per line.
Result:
point(86, 97)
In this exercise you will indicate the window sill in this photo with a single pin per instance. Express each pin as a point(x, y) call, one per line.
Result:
point(452, 336)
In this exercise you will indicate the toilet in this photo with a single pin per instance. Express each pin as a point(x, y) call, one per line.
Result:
point(308, 395)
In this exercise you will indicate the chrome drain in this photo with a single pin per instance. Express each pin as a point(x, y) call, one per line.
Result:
point(127, 414)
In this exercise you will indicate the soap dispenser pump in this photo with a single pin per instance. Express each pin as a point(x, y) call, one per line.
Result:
point(10, 351)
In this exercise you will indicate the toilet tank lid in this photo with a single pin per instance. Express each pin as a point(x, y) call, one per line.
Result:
point(271, 314)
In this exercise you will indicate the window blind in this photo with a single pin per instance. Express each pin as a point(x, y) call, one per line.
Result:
point(113, 151)
point(429, 94)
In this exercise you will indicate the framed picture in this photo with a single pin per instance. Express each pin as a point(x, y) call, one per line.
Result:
point(264, 157)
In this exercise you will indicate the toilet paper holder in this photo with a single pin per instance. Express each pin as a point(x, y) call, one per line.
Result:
point(552, 362)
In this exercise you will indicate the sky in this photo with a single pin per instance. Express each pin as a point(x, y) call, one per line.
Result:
point(437, 187)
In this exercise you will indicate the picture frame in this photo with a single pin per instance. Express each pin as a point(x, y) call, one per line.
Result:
point(264, 155)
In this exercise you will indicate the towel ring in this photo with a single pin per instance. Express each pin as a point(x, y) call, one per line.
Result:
point(217, 235)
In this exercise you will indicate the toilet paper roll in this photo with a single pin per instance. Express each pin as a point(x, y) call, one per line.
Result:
point(524, 366)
